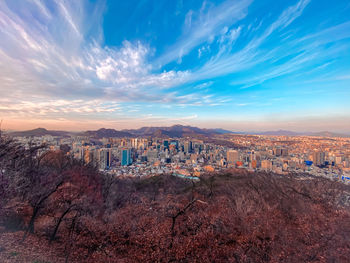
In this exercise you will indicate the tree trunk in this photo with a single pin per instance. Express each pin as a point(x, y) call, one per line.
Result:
point(59, 223)
point(36, 210)
point(30, 228)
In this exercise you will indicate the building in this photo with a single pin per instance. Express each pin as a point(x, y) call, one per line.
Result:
point(104, 158)
point(232, 156)
point(126, 157)
point(266, 165)
point(88, 156)
point(152, 155)
point(166, 144)
point(318, 158)
point(188, 147)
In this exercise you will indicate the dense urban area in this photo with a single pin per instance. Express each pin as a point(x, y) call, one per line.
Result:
point(191, 157)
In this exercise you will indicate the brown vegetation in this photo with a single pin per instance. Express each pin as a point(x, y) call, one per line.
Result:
point(55, 209)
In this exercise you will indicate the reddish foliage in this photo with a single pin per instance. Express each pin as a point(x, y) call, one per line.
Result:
point(231, 217)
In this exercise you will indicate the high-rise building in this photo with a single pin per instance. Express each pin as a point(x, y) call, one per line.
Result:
point(126, 157)
point(88, 156)
point(166, 144)
point(188, 147)
point(232, 156)
point(318, 158)
point(104, 158)
point(134, 143)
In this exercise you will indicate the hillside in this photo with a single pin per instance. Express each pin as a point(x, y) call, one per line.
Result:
point(173, 131)
point(65, 211)
point(38, 133)
point(107, 133)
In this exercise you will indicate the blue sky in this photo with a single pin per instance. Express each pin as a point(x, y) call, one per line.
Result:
point(235, 64)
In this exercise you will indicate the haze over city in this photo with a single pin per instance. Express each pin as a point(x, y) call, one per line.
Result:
point(241, 65)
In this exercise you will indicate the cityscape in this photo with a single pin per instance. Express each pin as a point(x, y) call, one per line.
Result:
point(190, 157)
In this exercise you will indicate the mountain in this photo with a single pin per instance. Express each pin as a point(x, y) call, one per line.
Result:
point(107, 133)
point(222, 131)
point(38, 132)
point(278, 133)
point(328, 134)
point(291, 133)
point(173, 131)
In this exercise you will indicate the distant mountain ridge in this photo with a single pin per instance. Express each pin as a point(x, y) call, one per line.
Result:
point(278, 133)
point(292, 133)
point(38, 133)
point(107, 133)
point(175, 131)
point(172, 131)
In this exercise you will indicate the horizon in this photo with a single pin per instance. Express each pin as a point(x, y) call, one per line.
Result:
point(239, 65)
point(243, 132)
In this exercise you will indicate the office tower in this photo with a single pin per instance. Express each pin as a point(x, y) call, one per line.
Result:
point(188, 147)
point(126, 157)
point(88, 156)
point(134, 143)
point(201, 147)
point(104, 158)
point(318, 158)
point(232, 156)
point(166, 144)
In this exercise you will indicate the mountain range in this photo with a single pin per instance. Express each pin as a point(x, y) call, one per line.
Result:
point(38, 133)
point(292, 133)
point(175, 131)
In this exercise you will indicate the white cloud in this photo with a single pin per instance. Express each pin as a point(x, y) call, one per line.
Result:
point(50, 108)
point(50, 56)
point(205, 27)
point(226, 62)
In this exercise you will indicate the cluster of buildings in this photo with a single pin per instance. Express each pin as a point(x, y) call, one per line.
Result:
point(329, 157)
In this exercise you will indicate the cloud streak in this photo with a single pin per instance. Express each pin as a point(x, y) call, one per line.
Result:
point(250, 55)
point(55, 64)
point(205, 27)
point(61, 62)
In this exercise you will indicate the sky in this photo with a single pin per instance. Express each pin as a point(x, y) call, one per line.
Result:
point(242, 65)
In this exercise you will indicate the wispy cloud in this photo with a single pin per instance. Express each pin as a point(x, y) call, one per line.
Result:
point(250, 55)
point(55, 64)
point(204, 27)
point(55, 108)
point(49, 55)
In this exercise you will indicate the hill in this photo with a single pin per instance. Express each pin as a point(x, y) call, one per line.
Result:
point(61, 210)
point(176, 131)
point(38, 133)
point(292, 133)
point(107, 133)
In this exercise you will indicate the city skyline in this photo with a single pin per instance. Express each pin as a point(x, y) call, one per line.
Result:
point(240, 65)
